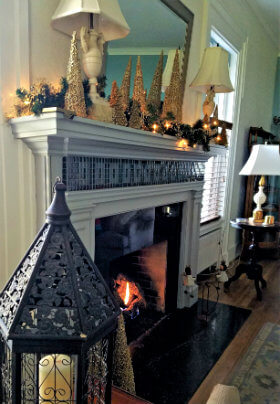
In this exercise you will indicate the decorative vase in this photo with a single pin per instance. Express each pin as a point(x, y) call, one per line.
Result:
point(92, 44)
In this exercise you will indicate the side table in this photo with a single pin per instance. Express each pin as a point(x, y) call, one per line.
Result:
point(252, 269)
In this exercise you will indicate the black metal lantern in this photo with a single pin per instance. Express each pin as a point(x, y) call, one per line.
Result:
point(57, 316)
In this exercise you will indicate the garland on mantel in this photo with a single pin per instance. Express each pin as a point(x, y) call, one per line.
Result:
point(199, 133)
point(44, 95)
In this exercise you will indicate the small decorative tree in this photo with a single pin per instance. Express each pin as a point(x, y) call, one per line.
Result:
point(116, 104)
point(139, 93)
point(125, 87)
point(154, 97)
point(74, 98)
point(123, 375)
point(172, 101)
point(136, 119)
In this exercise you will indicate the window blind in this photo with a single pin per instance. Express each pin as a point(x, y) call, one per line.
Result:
point(214, 190)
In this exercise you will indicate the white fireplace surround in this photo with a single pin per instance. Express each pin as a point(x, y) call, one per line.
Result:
point(52, 136)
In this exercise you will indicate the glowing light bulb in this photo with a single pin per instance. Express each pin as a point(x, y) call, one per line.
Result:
point(167, 125)
point(155, 126)
point(205, 126)
point(195, 145)
point(218, 138)
point(26, 102)
point(215, 123)
point(126, 299)
point(183, 143)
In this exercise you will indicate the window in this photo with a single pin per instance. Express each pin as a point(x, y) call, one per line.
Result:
point(214, 192)
point(214, 187)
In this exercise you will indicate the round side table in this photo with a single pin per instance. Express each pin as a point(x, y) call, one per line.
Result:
point(252, 269)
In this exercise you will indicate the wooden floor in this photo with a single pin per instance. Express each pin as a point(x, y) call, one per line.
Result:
point(242, 294)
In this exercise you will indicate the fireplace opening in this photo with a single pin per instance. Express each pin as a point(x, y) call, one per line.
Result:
point(138, 254)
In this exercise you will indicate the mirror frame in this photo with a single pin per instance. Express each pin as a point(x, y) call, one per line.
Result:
point(186, 15)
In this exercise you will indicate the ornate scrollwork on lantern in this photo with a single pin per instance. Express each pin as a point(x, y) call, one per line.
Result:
point(57, 315)
point(13, 292)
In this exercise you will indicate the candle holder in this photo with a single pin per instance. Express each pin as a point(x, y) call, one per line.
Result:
point(57, 317)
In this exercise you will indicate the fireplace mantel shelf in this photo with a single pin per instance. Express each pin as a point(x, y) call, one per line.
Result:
point(53, 133)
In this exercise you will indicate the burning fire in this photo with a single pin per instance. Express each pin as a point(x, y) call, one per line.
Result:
point(129, 293)
point(126, 299)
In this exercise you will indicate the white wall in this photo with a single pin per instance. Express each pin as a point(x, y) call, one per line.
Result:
point(30, 49)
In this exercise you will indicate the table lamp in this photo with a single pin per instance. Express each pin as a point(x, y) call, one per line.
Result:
point(213, 77)
point(263, 160)
point(97, 21)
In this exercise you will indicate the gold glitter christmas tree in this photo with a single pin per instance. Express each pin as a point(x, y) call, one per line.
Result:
point(138, 89)
point(118, 115)
point(154, 97)
point(74, 98)
point(123, 375)
point(136, 118)
point(172, 101)
point(125, 87)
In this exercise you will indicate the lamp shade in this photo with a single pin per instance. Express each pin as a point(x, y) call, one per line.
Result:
point(263, 160)
point(213, 72)
point(169, 67)
point(71, 15)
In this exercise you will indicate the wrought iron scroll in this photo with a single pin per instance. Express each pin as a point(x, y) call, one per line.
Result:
point(6, 374)
point(81, 173)
point(11, 296)
point(97, 372)
point(51, 308)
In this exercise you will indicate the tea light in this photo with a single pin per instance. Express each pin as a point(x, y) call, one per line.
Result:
point(155, 126)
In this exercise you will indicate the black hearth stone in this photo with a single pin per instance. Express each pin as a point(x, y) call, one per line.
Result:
point(173, 360)
point(143, 323)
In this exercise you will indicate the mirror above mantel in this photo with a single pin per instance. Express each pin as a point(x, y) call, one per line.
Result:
point(155, 26)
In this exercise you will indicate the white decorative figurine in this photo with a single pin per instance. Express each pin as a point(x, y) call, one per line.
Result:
point(188, 279)
point(222, 276)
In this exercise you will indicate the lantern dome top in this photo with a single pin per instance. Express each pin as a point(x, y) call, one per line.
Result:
point(57, 292)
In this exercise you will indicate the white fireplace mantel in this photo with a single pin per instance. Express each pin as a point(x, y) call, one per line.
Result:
point(52, 137)
point(52, 132)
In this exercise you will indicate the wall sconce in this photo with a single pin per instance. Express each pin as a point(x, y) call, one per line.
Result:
point(213, 77)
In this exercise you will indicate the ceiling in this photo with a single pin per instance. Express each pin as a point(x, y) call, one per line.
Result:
point(268, 12)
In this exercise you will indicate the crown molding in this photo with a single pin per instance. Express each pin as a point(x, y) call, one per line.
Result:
point(265, 23)
point(139, 51)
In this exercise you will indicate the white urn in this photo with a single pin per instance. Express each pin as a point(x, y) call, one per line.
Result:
point(92, 44)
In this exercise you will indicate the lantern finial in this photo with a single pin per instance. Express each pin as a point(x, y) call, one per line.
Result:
point(58, 212)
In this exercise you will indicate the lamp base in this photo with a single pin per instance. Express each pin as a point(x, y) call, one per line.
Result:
point(209, 104)
point(257, 216)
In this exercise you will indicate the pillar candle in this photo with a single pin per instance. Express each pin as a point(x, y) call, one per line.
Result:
point(56, 379)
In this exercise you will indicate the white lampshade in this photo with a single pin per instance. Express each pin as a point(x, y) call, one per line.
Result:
point(71, 15)
point(169, 67)
point(263, 160)
point(213, 72)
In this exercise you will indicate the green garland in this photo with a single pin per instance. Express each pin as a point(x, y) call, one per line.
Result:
point(195, 134)
point(43, 95)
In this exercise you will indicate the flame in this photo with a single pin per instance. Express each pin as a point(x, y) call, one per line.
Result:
point(126, 299)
